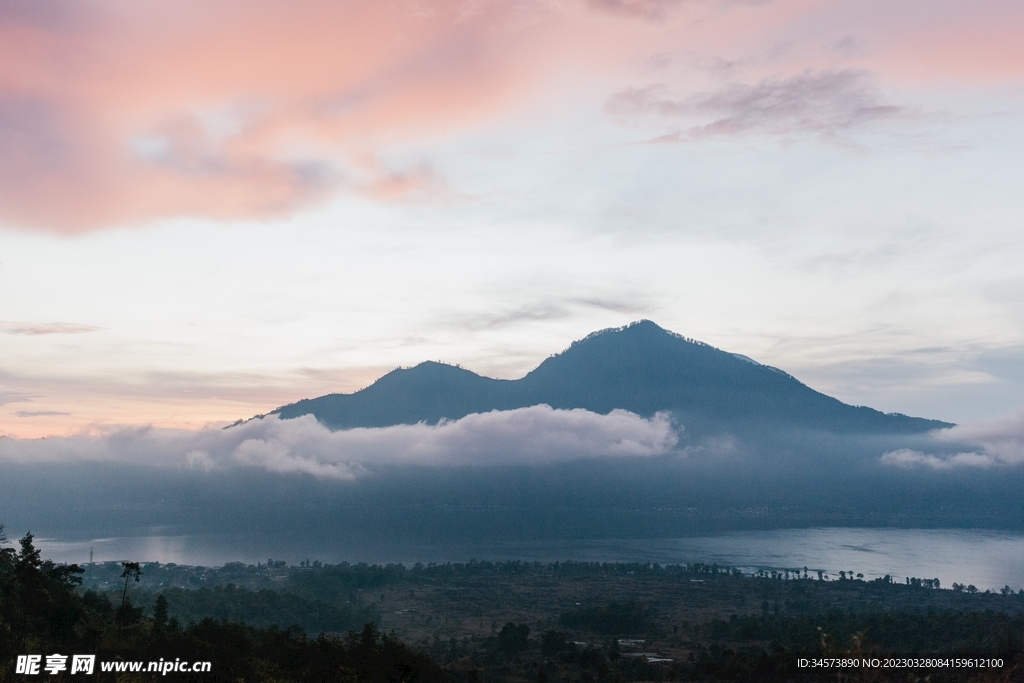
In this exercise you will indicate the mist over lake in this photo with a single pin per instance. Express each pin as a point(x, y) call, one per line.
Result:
point(986, 558)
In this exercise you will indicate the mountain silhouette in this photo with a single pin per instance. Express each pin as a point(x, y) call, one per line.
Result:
point(641, 368)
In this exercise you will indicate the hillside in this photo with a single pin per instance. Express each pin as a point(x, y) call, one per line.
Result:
point(641, 368)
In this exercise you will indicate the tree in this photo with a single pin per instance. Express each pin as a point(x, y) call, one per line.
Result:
point(6, 554)
point(28, 556)
point(30, 580)
point(132, 570)
point(513, 638)
point(35, 594)
point(552, 643)
point(160, 612)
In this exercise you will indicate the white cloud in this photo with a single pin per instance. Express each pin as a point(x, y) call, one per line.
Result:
point(276, 456)
point(908, 458)
point(1002, 438)
point(991, 442)
point(535, 435)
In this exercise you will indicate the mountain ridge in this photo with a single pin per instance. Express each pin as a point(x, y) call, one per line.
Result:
point(640, 367)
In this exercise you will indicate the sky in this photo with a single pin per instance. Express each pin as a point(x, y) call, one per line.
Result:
point(211, 209)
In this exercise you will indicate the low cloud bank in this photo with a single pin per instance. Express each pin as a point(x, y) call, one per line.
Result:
point(534, 435)
point(537, 435)
point(907, 458)
point(986, 443)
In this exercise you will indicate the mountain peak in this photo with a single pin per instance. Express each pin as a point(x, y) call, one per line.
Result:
point(640, 367)
point(637, 330)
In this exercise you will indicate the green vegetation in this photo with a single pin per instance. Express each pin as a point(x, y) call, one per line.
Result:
point(261, 608)
point(41, 612)
point(483, 622)
point(611, 619)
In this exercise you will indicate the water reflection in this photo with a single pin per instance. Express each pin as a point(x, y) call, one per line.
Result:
point(987, 559)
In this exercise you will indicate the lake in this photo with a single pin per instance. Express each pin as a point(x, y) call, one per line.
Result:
point(988, 559)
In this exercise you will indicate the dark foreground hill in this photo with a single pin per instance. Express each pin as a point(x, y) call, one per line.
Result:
point(641, 368)
point(593, 622)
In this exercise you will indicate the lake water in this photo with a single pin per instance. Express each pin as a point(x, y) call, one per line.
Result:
point(985, 558)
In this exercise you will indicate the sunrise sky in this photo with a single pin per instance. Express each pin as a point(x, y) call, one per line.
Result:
point(209, 209)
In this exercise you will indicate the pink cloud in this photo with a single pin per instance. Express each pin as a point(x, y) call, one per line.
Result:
point(661, 9)
point(824, 103)
point(126, 112)
point(36, 329)
point(937, 42)
point(117, 113)
point(649, 9)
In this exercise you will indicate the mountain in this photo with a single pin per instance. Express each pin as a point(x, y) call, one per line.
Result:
point(641, 368)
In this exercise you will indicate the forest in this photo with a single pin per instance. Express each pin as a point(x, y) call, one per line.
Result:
point(495, 622)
